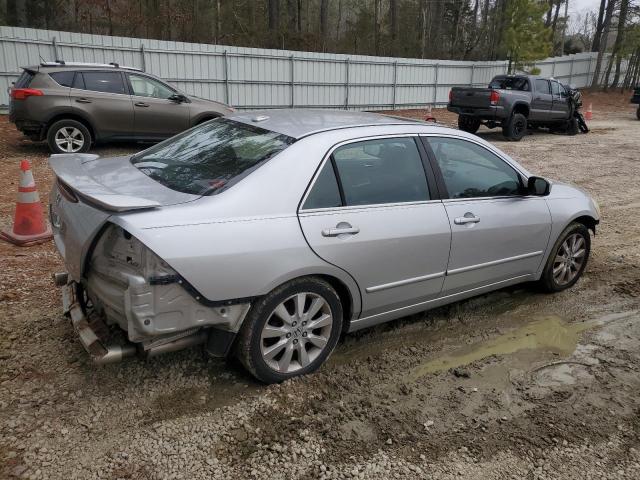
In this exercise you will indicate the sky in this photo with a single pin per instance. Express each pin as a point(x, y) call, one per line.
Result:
point(581, 6)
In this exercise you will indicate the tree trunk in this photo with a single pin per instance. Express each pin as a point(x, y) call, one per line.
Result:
point(292, 14)
point(603, 42)
point(617, 47)
point(393, 20)
point(597, 36)
point(274, 14)
point(376, 26)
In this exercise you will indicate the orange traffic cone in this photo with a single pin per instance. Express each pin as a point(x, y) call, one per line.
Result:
point(29, 225)
point(429, 117)
point(589, 113)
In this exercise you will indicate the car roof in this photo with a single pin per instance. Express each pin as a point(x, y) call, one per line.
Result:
point(298, 123)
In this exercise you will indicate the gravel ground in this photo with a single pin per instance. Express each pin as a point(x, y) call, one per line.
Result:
point(514, 384)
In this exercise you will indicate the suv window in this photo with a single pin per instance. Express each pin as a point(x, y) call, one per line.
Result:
point(470, 170)
point(381, 171)
point(542, 86)
point(211, 157)
point(147, 87)
point(325, 192)
point(107, 82)
point(64, 79)
point(25, 79)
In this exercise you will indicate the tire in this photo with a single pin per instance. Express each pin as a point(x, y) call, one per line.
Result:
point(572, 126)
point(266, 357)
point(516, 127)
point(556, 283)
point(638, 113)
point(78, 137)
point(469, 124)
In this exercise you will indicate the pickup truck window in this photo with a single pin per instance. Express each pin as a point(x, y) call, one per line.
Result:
point(471, 171)
point(542, 86)
point(510, 83)
point(557, 89)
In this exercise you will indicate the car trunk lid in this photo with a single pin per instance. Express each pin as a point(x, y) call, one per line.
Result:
point(113, 184)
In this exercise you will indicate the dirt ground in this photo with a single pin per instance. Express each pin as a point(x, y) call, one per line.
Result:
point(513, 384)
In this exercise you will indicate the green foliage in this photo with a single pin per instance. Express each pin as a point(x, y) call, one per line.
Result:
point(526, 37)
point(535, 71)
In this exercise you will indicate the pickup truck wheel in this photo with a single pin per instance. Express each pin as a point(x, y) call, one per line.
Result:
point(516, 127)
point(572, 126)
point(469, 124)
point(638, 113)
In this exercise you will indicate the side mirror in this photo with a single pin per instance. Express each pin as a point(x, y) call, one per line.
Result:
point(178, 98)
point(538, 186)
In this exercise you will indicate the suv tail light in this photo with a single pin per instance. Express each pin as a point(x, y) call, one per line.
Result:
point(22, 93)
point(494, 97)
point(450, 95)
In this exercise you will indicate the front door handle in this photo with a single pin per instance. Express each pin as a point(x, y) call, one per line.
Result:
point(468, 218)
point(141, 104)
point(83, 100)
point(340, 229)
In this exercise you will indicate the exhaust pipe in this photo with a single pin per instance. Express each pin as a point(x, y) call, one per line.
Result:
point(179, 344)
point(115, 354)
point(60, 278)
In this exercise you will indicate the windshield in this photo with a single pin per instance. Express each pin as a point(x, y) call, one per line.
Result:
point(210, 158)
point(510, 83)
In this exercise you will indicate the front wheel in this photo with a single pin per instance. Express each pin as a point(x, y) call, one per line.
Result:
point(568, 259)
point(291, 331)
point(516, 127)
point(469, 124)
point(638, 113)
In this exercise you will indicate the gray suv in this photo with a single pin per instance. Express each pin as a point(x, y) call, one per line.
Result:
point(74, 105)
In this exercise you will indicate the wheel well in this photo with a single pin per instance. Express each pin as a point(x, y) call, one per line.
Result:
point(521, 108)
point(588, 222)
point(206, 118)
point(345, 298)
point(71, 116)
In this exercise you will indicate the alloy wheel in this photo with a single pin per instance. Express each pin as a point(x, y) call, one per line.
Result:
point(296, 332)
point(569, 259)
point(69, 139)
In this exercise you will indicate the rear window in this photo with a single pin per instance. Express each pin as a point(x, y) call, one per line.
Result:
point(25, 79)
point(510, 83)
point(211, 157)
point(63, 78)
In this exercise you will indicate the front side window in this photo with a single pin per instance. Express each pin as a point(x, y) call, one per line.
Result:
point(106, 82)
point(211, 157)
point(147, 87)
point(381, 171)
point(542, 86)
point(556, 88)
point(471, 171)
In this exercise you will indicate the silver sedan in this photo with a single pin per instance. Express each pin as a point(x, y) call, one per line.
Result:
point(268, 234)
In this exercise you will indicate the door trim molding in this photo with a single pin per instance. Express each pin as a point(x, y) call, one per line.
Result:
point(494, 262)
point(406, 281)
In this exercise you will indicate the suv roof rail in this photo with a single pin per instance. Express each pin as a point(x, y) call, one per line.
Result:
point(62, 63)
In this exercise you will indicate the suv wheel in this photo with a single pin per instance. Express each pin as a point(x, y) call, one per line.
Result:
point(516, 127)
point(291, 331)
point(68, 136)
point(467, 123)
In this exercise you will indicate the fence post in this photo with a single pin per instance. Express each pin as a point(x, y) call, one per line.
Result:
point(395, 82)
point(589, 73)
point(571, 71)
point(291, 61)
point(144, 63)
point(553, 67)
point(55, 49)
point(435, 87)
point(473, 71)
point(226, 78)
point(346, 85)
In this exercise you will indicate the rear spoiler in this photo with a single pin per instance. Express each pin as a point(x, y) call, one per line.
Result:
point(69, 170)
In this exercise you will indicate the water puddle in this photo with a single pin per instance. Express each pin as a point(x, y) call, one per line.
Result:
point(549, 333)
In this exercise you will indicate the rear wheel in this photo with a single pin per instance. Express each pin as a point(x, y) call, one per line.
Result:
point(68, 136)
point(516, 127)
point(291, 331)
point(638, 113)
point(468, 123)
point(568, 259)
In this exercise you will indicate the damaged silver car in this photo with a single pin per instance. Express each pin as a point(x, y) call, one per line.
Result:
point(269, 234)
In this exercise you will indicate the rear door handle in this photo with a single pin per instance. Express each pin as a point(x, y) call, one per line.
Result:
point(334, 232)
point(464, 220)
point(141, 104)
point(83, 100)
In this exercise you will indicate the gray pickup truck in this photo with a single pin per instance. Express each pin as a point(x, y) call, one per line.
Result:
point(513, 102)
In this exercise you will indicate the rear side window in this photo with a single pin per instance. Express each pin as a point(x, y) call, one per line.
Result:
point(211, 157)
point(64, 79)
point(542, 86)
point(106, 82)
point(325, 192)
point(381, 171)
point(25, 79)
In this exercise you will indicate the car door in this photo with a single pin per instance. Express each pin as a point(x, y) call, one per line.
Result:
point(541, 102)
point(497, 232)
point(560, 101)
point(372, 211)
point(102, 98)
point(155, 114)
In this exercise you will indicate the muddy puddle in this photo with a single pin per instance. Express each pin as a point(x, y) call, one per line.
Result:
point(550, 334)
